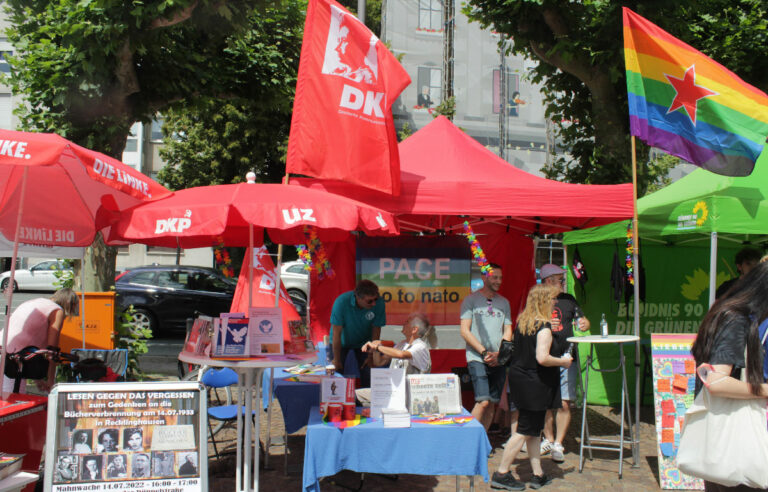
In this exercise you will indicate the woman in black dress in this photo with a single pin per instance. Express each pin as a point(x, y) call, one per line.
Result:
point(534, 386)
point(728, 330)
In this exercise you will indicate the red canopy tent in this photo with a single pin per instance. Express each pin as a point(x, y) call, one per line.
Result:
point(447, 177)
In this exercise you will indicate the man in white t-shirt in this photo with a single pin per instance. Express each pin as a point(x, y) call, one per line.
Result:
point(411, 354)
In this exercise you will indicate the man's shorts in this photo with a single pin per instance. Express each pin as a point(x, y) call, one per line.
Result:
point(487, 381)
point(568, 381)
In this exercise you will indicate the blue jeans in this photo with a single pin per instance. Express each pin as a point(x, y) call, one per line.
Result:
point(487, 381)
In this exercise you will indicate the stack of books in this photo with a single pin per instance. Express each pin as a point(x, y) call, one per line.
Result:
point(9, 464)
point(395, 417)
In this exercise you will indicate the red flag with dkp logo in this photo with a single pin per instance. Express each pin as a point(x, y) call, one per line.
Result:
point(342, 126)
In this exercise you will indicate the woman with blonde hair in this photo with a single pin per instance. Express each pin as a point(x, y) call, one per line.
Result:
point(534, 386)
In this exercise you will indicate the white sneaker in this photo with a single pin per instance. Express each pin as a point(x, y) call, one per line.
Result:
point(557, 452)
point(546, 446)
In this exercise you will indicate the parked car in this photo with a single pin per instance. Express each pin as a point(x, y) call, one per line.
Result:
point(40, 277)
point(165, 296)
point(295, 280)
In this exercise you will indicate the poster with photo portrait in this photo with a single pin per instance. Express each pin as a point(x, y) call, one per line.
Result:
point(141, 466)
point(67, 467)
point(186, 463)
point(82, 441)
point(92, 468)
point(117, 466)
point(107, 441)
point(162, 464)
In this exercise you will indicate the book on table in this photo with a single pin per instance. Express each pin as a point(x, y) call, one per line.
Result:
point(9, 464)
point(396, 417)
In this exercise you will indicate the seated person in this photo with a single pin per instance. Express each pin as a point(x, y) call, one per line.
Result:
point(411, 354)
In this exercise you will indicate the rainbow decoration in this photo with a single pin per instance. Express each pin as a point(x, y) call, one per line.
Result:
point(442, 419)
point(359, 419)
point(477, 250)
point(630, 252)
point(313, 255)
point(689, 105)
point(223, 261)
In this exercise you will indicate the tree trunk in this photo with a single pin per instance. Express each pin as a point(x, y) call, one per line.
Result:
point(98, 269)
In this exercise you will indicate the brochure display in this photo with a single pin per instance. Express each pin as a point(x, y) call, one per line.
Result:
point(433, 393)
point(237, 337)
point(199, 336)
point(338, 391)
point(387, 390)
point(126, 436)
point(265, 330)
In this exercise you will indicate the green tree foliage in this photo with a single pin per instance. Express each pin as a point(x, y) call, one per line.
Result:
point(580, 50)
point(218, 140)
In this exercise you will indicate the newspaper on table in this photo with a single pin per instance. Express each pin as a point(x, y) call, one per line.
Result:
point(433, 393)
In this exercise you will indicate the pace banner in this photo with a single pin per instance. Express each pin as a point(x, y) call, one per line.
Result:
point(126, 436)
point(428, 275)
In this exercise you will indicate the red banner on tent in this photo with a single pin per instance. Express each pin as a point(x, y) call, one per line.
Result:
point(342, 126)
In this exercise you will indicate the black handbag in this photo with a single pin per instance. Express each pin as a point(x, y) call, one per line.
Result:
point(506, 352)
point(26, 364)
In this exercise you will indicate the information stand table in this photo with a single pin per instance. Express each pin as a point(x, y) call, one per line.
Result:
point(22, 427)
point(604, 444)
point(422, 449)
point(249, 383)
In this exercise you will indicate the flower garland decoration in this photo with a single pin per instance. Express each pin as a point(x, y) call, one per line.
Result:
point(630, 251)
point(313, 255)
point(223, 261)
point(477, 250)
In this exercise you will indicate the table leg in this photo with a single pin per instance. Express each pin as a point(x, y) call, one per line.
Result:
point(471, 483)
point(257, 421)
point(458, 479)
point(248, 437)
point(239, 449)
point(584, 410)
point(623, 406)
point(268, 439)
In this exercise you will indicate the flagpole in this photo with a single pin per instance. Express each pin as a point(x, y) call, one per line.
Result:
point(636, 274)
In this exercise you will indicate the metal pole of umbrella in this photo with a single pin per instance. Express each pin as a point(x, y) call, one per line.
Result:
point(82, 296)
point(712, 267)
point(9, 294)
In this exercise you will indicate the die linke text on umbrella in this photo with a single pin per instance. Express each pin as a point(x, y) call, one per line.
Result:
point(43, 235)
point(108, 171)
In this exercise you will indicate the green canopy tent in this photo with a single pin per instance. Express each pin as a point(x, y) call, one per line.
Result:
point(688, 231)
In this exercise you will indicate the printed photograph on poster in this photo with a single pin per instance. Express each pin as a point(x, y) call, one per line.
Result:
point(92, 468)
point(186, 462)
point(117, 466)
point(67, 466)
point(140, 465)
point(107, 441)
point(162, 464)
point(122, 436)
point(82, 440)
point(133, 439)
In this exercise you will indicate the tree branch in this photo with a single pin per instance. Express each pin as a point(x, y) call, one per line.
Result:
point(180, 16)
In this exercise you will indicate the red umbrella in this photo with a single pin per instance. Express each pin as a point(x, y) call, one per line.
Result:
point(196, 217)
point(56, 193)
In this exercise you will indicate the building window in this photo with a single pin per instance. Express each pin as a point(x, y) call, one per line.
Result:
point(5, 67)
point(429, 87)
point(157, 130)
point(513, 93)
point(431, 15)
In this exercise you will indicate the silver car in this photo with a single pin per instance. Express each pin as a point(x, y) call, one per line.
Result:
point(40, 277)
point(295, 280)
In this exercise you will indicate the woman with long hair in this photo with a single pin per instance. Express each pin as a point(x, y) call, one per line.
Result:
point(728, 329)
point(37, 323)
point(534, 386)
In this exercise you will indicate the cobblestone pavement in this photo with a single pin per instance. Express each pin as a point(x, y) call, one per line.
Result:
point(600, 474)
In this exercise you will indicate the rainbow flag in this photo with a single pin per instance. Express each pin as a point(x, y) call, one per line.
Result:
point(688, 105)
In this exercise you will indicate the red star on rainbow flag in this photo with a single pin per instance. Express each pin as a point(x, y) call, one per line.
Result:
point(688, 93)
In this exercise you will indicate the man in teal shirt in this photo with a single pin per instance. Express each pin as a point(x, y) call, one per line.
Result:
point(356, 318)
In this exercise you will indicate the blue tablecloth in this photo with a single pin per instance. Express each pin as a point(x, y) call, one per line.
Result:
point(422, 449)
point(296, 398)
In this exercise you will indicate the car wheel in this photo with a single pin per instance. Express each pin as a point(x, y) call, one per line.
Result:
point(144, 319)
point(298, 295)
point(4, 285)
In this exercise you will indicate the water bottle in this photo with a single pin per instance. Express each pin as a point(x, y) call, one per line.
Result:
point(603, 327)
